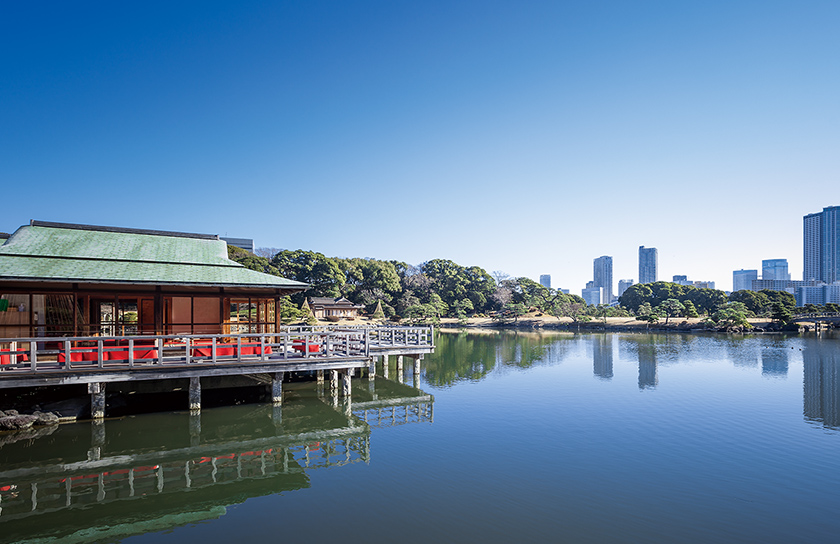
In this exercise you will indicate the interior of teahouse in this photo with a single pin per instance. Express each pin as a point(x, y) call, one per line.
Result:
point(107, 314)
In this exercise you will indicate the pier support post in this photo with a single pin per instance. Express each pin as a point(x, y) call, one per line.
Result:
point(195, 429)
point(319, 377)
point(333, 381)
point(97, 439)
point(277, 415)
point(372, 368)
point(385, 366)
point(345, 382)
point(97, 400)
point(416, 381)
point(195, 394)
point(400, 369)
point(277, 389)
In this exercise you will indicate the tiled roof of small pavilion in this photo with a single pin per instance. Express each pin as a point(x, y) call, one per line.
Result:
point(58, 252)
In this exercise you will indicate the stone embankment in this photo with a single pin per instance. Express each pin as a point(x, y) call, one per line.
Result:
point(11, 420)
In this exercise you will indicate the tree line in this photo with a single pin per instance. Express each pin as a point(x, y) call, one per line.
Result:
point(442, 288)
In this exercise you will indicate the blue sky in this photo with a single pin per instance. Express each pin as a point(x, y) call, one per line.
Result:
point(528, 137)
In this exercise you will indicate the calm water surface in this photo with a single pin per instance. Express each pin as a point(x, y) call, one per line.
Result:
point(504, 437)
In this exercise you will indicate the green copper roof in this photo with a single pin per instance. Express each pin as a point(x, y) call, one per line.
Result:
point(80, 253)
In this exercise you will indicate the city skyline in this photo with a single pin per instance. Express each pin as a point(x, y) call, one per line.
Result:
point(453, 131)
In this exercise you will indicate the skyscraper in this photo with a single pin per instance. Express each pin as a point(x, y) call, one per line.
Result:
point(545, 280)
point(821, 248)
point(742, 279)
point(602, 276)
point(623, 285)
point(774, 269)
point(648, 264)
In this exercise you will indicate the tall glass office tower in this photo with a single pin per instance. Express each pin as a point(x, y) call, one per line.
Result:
point(603, 277)
point(821, 251)
point(648, 264)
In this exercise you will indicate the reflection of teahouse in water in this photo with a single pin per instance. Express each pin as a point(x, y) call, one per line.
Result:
point(821, 386)
point(386, 403)
point(86, 478)
point(602, 356)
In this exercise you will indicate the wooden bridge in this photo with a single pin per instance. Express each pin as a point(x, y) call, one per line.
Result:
point(97, 360)
point(822, 317)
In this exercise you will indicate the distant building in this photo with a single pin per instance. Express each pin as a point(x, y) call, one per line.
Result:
point(244, 243)
point(781, 285)
point(703, 284)
point(648, 264)
point(623, 285)
point(821, 243)
point(564, 291)
point(818, 294)
point(545, 280)
point(326, 306)
point(742, 279)
point(591, 294)
point(681, 280)
point(603, 277)
point(775, 269)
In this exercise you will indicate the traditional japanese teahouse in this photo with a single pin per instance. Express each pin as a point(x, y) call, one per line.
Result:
point(59, 279)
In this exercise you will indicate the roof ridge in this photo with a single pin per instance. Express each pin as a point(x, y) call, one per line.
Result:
point(124, 230)
point(233, 264)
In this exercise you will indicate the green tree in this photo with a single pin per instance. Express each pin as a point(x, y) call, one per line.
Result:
point(320, 272)
point(670, 308)
point(369, 280)
point(251, 261)
point(755, 301)
point(690, 310)
point(378, 313)
point(781, 313)
point(731, 314)
point(706, 301)
point(782, 297)
point(287, 311)
point(635, 296)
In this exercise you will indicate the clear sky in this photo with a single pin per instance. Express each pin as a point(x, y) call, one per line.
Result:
point(528, 137)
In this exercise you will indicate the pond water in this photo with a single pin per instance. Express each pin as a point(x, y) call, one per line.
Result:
point(502, 437)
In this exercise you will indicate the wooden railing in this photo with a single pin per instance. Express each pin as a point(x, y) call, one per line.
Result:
point(402, 336)
point(128, 352)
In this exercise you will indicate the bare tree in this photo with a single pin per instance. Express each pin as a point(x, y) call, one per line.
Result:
point(500, 276)
point(267, 252)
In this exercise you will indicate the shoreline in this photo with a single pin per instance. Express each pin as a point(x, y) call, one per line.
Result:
point(619, 324)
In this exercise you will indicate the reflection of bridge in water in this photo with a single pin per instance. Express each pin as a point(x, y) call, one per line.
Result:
point(87, 477)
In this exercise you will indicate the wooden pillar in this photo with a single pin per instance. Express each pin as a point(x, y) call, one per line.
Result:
point(372, 368)
point(319, 376)
point(97, 440)
point(385, 366)
point(158, 311)
point(195, 394)
point(195, 428)
point(97, 400)
point(400, 369)
point(345, 383)
point(277, 389)
point(333, 381)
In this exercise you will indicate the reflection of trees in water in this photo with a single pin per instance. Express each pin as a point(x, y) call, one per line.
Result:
point(821, 383)
point(466, 356)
